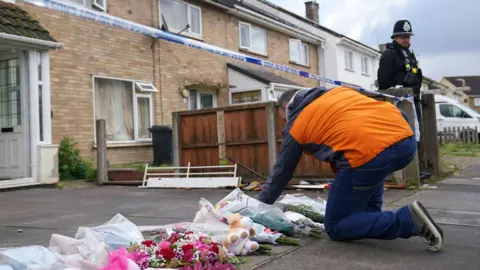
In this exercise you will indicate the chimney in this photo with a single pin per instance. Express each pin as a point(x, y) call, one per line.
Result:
point(312, 10)
point(382, 47)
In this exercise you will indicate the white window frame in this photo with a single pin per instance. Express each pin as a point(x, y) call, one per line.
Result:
point(189, 19)
point(349, 64)
point(135, 115)
point(200, 91)
point(365, 66)
point(99, 6)
point(299, 46)
point(90, 4)
point(141, 86)
point(75, 3)
point(476, 102)
point(134, 108)
point(250, 36)
point(246, 91)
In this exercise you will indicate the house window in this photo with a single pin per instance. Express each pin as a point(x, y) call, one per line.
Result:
point(126, 108)
point(476, 102)
point(179, 14)
point(97, 4)
point(253, 38)
point(247, 97)
point(365, 65)
point(202, 99)
point(10, 98)
point(299, 52)
point(349, 60)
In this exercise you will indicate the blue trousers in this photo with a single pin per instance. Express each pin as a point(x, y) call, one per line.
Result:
point(354, 205)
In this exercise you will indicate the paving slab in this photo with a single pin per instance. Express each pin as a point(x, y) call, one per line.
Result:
point(460, 252)
point(462, 181)
point(449, 200)
point(456, 217)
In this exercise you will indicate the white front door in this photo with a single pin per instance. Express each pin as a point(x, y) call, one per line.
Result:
point(13, 121)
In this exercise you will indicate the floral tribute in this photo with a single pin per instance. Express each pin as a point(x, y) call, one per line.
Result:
point(181, 250)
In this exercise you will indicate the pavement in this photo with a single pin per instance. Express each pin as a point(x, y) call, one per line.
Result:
point(29, 217)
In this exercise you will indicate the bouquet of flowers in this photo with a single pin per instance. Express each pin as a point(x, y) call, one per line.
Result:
point(312, 209)
point(305, 226)
point(266, 215)
point(181, 250)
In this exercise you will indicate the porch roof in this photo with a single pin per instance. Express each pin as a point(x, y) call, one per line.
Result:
point(261, 74)
point(14, 21)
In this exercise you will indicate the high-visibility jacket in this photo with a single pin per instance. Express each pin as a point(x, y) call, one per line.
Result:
point(338, 125)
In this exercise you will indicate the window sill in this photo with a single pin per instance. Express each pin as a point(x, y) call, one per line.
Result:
point(298, 64)
point(186, 34)
point(254, 53)
point(350, 70)
point(198, 38)
point(366, 75)
point(92, 7)
point(126, 144)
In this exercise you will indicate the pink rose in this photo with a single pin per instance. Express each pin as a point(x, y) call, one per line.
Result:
point(164, 245)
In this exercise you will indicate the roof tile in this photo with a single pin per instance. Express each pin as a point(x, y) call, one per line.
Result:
point(472, 81)
point(15, 21)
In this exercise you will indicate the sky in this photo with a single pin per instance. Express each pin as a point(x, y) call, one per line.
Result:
point(447, 38)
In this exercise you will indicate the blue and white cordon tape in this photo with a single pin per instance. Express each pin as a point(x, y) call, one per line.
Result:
point(104, 18)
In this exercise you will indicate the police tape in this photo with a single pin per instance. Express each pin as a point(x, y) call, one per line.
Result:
point(101, 17)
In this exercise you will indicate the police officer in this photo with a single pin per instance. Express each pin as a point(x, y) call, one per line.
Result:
point(399, 67)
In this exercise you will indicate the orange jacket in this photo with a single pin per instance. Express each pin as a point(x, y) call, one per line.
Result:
point(340, 126)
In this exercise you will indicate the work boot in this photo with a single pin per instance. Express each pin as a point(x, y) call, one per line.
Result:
point(426, 227)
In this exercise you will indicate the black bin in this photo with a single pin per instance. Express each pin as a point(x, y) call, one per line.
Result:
point(162, 145)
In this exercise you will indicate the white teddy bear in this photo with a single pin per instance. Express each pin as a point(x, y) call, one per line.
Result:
point(237, 240)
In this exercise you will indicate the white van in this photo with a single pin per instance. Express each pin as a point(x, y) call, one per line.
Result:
point(453, 114)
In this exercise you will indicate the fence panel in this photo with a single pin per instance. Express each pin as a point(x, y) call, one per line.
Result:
point(198, 139)
point(465, 135)
point(246, 138)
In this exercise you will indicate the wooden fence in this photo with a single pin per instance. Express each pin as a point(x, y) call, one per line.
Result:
point(466, 135)
point(251, 134)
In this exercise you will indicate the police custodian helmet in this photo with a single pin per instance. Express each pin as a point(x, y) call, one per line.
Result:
point(402, 27)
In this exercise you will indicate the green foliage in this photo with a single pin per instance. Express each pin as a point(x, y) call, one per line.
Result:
point(460, 149)
point(71, 165)
point(136, 166)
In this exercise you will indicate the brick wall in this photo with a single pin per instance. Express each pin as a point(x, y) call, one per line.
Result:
point(94, 49)
point(221, 29)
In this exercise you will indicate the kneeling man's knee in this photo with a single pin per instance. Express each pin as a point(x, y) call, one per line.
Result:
point(332, 232)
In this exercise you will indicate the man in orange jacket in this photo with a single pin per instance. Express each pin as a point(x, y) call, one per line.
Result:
point(364, 140)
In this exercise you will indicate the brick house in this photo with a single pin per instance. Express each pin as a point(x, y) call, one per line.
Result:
point(131, 80)
point(91, 70)
point(471, 94)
